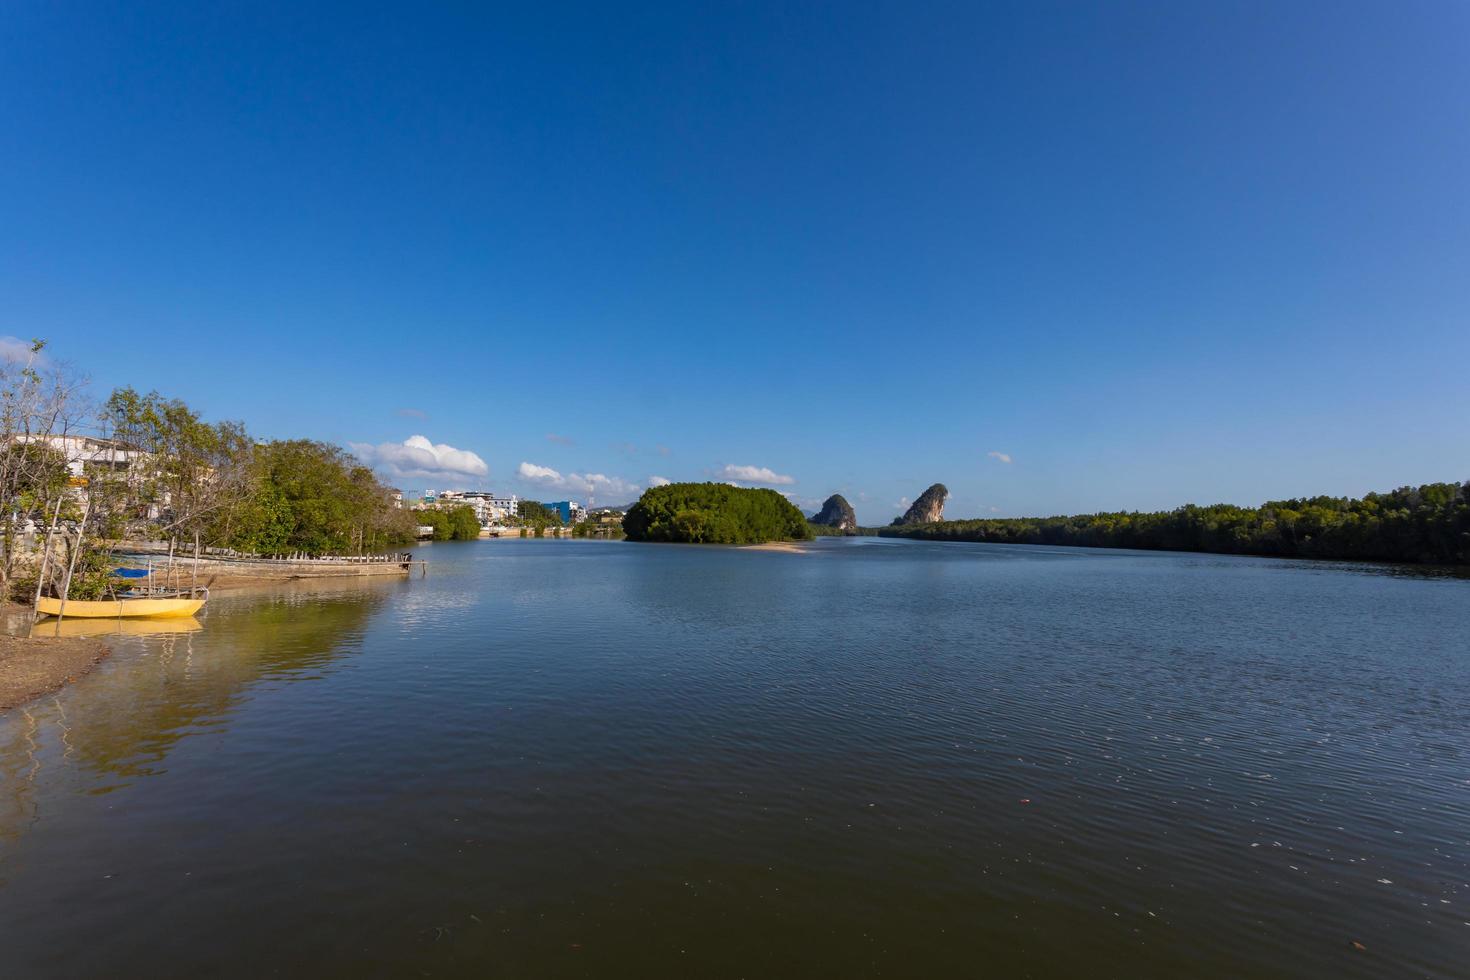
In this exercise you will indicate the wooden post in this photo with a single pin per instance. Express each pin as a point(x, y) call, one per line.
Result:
point(71, 568)
point(194, 575)
point(46, 555)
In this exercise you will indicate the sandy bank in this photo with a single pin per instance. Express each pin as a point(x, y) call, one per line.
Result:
point(33, 667)
point(796, 547)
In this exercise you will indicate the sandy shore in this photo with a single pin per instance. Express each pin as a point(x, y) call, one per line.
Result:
point(795, 547)
point(32, 668)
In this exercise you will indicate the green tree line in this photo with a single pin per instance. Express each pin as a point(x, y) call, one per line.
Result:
point(214, 484)
point(714, 513)
point(455, 524)
point(1429, 524)
point(537, 516)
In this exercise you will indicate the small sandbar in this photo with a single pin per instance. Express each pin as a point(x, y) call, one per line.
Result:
point(795, 547)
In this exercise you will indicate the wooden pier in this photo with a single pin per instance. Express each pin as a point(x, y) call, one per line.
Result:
point(226, 564)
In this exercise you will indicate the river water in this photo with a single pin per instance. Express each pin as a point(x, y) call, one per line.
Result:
point(874, 758)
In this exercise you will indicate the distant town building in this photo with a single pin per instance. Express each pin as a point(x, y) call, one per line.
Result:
point(505, 506)
point(488, 507)
point(88, 453)
point(90, 458)
point(571, 512)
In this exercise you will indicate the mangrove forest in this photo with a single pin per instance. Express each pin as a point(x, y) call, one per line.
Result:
point(1429, 524)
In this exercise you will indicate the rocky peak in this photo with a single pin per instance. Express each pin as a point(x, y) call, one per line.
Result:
point(837, 512)
point(927, 509)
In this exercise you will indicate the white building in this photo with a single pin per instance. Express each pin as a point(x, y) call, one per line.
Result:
point(90, 458)
point(84, 452)
point(502, 507)
point(487, 506)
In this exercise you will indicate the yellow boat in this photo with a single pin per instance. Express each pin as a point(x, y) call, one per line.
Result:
point(168, 607)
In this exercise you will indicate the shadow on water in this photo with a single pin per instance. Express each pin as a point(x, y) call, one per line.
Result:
point(172, 679)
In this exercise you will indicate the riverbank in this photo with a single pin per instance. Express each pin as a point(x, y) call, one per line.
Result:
point(31, 668)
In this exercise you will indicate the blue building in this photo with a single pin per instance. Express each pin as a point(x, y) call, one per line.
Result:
point(562, 507)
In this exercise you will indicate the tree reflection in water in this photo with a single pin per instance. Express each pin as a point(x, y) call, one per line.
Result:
point(173, 680)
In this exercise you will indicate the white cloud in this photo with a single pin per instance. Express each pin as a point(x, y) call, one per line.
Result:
point(1003, 457)
point(659, 481)
point(755, 474)
point(590, 485)
point(903, 503)
point(418, 458)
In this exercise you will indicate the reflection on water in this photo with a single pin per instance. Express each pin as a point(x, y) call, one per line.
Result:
point(169, 679)
point(875, 758)
point(116, 627)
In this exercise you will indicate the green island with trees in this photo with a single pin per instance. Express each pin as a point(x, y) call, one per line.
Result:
point(714, 513)
point(1429, 524)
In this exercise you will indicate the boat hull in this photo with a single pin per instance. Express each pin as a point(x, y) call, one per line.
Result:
point(120, 608)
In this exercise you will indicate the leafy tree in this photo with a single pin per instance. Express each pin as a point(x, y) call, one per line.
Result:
point(537, 514)
point(39, 407)
point(464, 525)
point(455, 524)
point(537, 517)
point(313, 497)
point(197, 474)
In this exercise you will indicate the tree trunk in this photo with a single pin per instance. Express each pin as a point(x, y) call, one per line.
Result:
point(46, 555)
point(72, 567)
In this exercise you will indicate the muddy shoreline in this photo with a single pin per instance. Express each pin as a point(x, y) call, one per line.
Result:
point(32, 668)
point(33, 664)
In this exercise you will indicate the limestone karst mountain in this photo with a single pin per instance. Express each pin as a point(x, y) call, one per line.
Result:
point(838, 513)
point(927, 509)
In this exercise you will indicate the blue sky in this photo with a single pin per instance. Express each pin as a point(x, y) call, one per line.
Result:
point(1061, 258)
